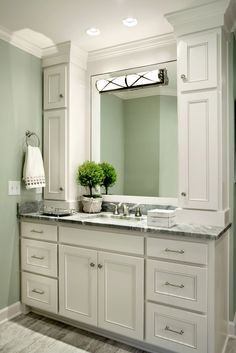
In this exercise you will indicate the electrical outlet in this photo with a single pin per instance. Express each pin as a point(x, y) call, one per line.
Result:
point(13, 188)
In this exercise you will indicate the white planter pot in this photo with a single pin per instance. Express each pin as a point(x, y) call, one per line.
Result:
point(92, 204)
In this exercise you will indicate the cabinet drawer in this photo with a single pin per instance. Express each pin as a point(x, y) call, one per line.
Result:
point(39, 257)
point(39, 292)
point(175, 329)
point(39, 231)
point(102, 239)
point(178, 250)
point(176, 284)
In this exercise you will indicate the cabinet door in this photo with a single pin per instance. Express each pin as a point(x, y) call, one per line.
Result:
point(198, 151)
point(120, 304)
point(55, 130)
point(55, 87)
point(78, 284)
point(197, 62)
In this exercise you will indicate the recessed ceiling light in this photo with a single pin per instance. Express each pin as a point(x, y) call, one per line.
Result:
point(130, 22)
point(93, 31)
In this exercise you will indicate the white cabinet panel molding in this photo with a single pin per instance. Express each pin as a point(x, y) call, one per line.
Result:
point(197, 65)
point(120, 307)
point(198, 150)
point(55, 154)
point(78, 284)
point(55, 87)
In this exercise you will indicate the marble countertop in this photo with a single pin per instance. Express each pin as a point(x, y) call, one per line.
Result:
point(139, 225)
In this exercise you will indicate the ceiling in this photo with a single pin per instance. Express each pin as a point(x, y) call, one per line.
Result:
point(48, 22)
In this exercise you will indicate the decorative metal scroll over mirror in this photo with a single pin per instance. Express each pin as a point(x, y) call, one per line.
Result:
point(146, 78)
point(135, 129)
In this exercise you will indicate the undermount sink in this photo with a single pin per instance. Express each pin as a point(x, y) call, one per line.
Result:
point(113, 216)
point(116, 217)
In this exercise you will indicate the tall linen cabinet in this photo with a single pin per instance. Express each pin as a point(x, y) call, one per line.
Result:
point(64, 123)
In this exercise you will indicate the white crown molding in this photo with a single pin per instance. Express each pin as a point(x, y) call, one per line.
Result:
point(198, 18)
point(66, 52)
point(19, 42)
point(132, 47)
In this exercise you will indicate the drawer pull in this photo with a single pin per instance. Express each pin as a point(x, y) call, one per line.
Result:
point(181, 332)
point(174, 285)
point(37, 257)
point(38, 291)
point(36, 231)
point(175, 251)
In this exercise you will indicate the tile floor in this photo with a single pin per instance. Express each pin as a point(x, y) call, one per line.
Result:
point(33, 333)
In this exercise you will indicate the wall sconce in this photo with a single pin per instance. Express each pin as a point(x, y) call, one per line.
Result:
point(154, 77)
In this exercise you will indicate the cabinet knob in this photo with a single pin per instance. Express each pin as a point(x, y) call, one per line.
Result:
point(183, 77)
point(92, 264)
point(61, 189)
point(183, 194)
point(61, 95)
point(99, 266)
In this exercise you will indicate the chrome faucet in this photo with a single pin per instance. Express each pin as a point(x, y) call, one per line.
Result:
point(125, 208)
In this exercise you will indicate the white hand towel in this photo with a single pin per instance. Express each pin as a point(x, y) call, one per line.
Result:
point(33, 173)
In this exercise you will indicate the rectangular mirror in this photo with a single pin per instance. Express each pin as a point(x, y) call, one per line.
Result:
point(136, 130)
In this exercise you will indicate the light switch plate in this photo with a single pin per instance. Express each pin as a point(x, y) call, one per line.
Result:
point(13, 188)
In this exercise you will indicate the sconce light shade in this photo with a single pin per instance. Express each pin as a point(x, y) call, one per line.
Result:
point(154, 77)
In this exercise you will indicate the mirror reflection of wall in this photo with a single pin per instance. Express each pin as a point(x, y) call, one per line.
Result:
point(138, 135)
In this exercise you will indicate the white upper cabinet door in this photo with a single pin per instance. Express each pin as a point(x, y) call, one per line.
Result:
point(198, 151)
point(55, 87)
point(197, 62)
point(78, 284)
point(55, 129)
point(121, 294)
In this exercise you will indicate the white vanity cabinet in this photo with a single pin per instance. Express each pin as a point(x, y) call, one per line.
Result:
point(101, 288)
point(157, 291)
point(55, 160)
point(55, 87)
point(39, 266)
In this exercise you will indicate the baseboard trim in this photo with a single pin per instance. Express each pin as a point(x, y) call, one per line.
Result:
point(10, 311)
point(232, 327)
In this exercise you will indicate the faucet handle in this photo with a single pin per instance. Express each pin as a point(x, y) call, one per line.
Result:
point(138, 212)
point(116, 209)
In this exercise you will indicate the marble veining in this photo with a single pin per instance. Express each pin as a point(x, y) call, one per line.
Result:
point(184, 230)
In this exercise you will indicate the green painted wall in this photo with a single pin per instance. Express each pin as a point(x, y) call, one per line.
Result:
point(20, 102)
point(142, 126)
point(112, 137)
point(168, 147)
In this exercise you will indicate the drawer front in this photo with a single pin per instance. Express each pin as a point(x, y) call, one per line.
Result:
point(175, 329)
point(178, 250)
point(102, 240)
point(39, 231)
point(176, 284)
point(39, 257)
point(39, 292)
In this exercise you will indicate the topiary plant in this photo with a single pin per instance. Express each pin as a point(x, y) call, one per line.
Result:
point(90, 175)
point(110, 175)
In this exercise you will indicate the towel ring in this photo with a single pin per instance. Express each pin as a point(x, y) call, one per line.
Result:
point(28, 135)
